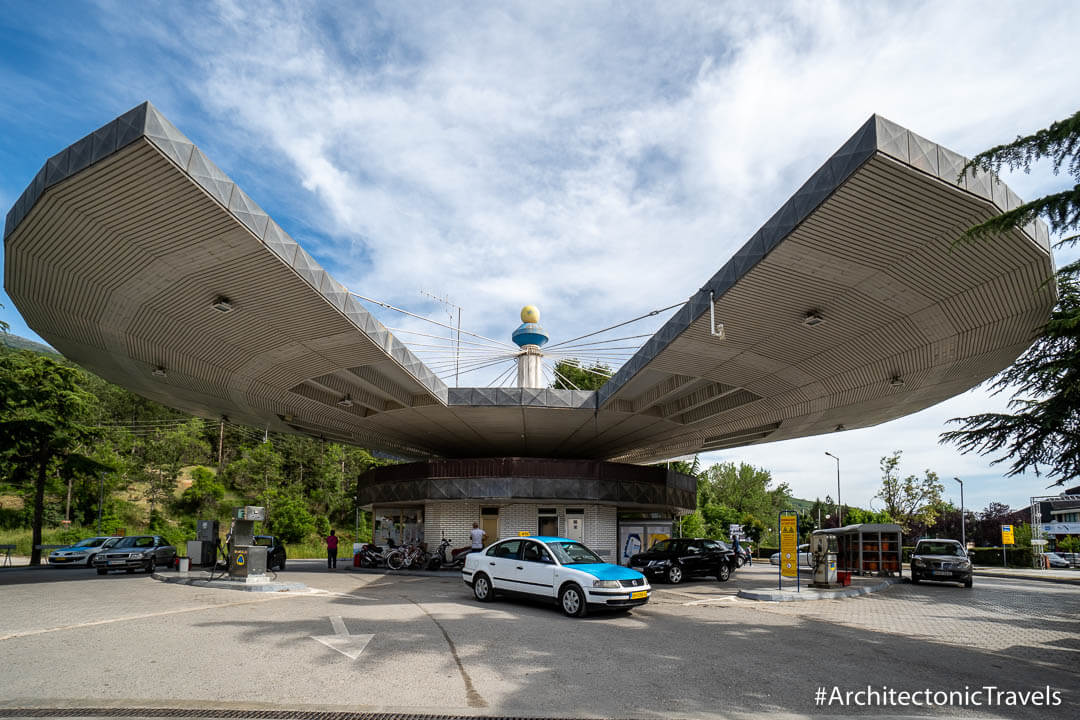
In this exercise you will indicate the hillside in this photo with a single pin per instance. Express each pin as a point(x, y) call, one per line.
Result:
point(21, 343)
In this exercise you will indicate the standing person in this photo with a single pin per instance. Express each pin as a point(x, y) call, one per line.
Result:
point(477, 536)
point(331, 551)
point(737, 549)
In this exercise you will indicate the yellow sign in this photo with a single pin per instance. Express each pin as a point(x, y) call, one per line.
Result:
point(1007, 537)
point(789, 546)
point(523, 533)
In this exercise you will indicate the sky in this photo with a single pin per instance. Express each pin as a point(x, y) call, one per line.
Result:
point(598, 160)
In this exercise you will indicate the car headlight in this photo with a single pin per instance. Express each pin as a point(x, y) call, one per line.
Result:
point(137, 556)
point(658, 563)
point(605, 583)
point(920, 562)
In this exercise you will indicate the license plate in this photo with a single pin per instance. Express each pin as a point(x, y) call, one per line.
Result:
point(942, 572)
point(639, 594)
point(116, 562)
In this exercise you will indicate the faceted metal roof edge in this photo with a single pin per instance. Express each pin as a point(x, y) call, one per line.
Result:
point(876, 135)
point(147, 121)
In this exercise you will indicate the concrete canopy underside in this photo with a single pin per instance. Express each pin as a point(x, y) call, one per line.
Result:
point(119, 247)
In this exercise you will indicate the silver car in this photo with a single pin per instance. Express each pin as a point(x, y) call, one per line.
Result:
point(83, 552)
point(806, 558)
point(137, 552)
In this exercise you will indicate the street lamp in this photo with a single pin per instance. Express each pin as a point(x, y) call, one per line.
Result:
point(839, 507)
point(963, 534)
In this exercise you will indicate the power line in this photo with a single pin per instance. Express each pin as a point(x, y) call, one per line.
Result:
point(421, 317)
point(612, 327)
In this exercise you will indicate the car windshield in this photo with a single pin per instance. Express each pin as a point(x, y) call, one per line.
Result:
point(135, 542)
point(662, 546)
point(90, 542)
point(573, 553)
point(939, 548)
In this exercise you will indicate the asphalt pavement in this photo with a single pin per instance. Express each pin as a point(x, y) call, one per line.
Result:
point(364, 643)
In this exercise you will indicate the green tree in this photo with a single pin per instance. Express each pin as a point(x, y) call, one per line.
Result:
point(42, 425)
point(290, 519)
point(167, 452)
point(571, 374)
point(1041, 431)
point(257, 469)
point(909, 501)
point(204, 493)
point(743, 488)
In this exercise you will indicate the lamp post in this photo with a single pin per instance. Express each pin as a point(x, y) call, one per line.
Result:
point(839, 507)
point(963, 534)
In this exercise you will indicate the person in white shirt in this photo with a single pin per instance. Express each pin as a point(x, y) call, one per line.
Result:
point(478, 536)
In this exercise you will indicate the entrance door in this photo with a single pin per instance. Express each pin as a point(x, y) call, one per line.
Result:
point(489, 523)
point(575, 524)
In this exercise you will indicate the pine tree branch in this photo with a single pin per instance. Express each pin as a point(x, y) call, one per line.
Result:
point(1061, 209)
point(1058, 142)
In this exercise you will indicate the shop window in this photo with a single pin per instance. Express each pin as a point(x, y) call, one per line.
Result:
point(403, 526)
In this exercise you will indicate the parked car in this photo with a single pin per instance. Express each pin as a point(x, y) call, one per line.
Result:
point(275, 551)
point(1056, 561)
point(136, 552)
point(82, 552)
point(942, 560)
point(806, 558)
point(553, 568)
point(678, 559)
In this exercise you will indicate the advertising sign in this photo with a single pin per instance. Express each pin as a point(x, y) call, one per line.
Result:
point(789, 545)
point(1007, 537)
point(735, 530)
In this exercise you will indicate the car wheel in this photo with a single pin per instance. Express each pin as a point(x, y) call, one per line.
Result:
point(967, 583)
point(102, 571)
point(914, 578)
point(90, 561)
point(281, 565)
point(481, 588)
point(675, 574)
point(740, 562)
point(572, 601)
point(151, 566)
point(724, 573)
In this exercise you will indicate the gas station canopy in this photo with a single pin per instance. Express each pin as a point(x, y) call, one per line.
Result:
point(135, 256)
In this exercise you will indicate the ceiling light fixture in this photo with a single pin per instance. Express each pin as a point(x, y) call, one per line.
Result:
point(812, 319)
point(345, 402)
point(159, 371)
point(222, 304)
point(838, 429)
point(896, 382)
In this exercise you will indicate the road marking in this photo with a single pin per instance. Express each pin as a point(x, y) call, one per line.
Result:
point(348, 645)
point(127, 618)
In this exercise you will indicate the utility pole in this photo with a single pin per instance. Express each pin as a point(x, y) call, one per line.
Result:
point(963, 533)
point(101, 498)
point(221, 445)
point(839, 505)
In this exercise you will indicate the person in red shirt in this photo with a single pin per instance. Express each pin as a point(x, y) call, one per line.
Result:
point(331, 551)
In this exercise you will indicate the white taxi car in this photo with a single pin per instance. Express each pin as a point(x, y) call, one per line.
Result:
point(553, 568)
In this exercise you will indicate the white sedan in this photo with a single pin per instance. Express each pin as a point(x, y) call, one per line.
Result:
point(554, 568)
point(806, 559)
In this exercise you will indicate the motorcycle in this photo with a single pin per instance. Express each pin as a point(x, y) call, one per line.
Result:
point(448, 558)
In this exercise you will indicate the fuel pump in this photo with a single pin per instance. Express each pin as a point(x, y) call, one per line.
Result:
point(823, 555)
point(246, 559)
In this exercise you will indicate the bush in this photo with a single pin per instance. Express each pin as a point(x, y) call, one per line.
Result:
point(290, 519)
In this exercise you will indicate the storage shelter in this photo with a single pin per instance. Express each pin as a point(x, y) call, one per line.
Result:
point(869, 549)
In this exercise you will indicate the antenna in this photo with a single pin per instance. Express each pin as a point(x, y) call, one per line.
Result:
point(450, 306)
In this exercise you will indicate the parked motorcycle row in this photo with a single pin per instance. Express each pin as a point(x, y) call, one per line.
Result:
point(412, 557)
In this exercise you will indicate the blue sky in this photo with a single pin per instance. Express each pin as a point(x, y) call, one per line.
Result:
point(599, 160)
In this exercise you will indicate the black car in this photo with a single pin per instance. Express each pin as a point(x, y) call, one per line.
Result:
point(136, 552)
point(942, 560)
point(676, 560)
point(275, 551)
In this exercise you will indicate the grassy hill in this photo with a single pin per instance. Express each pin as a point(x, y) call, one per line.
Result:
point(21, 343)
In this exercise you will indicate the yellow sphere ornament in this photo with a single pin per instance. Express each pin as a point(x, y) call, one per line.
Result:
point(530, 314)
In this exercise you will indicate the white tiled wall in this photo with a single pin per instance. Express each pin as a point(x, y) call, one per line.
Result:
point(454, 520)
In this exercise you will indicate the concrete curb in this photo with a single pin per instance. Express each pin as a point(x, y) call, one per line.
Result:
point(813, 594)
point(228, 585)
point(1037, 578)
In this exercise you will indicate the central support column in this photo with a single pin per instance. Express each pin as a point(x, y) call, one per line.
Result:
point(529, 371)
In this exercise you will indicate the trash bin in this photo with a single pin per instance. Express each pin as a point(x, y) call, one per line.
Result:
point(185, 565)
point(843, 577)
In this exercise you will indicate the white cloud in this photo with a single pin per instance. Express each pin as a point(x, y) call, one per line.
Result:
point(597, 160)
